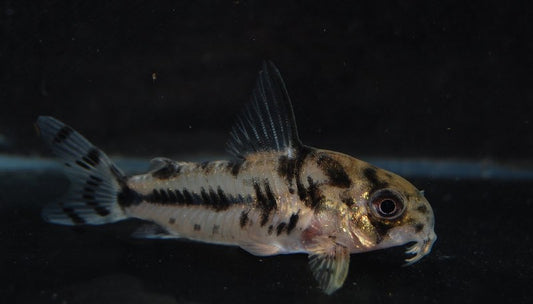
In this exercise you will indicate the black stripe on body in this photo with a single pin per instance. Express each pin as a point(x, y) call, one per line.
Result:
point(265, 201)
point(280, 228)
point(334, 171)
point(128, 197)
point(62, 134)
point(243, 219)
point(217, 200)
point(293, 221)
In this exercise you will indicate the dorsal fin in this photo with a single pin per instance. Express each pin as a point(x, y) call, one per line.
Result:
point(267, 123)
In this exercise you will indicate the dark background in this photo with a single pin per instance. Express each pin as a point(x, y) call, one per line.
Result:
point(424, 79)
point(386, 78)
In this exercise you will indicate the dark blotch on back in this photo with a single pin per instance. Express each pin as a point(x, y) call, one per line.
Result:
point(197, 227)
point(207, 166)
point(290, 168)
point(286, 168)
point(313, 195)
point(334, 171)
point(375, 183)
point(235, 167)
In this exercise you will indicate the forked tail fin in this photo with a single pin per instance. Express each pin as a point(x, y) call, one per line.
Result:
point(95, 181)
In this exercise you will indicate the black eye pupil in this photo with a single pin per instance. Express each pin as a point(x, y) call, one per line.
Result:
point(387, 206)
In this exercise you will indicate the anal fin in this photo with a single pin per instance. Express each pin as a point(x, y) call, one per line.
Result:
point(330, 268)
point(153, 231)
point(259, 249)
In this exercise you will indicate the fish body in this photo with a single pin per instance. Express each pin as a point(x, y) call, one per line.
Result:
point(277, 196)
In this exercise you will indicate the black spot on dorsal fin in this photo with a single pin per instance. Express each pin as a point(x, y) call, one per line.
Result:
point(267, 123)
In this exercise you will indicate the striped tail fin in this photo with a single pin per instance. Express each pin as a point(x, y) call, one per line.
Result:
point(96, 183)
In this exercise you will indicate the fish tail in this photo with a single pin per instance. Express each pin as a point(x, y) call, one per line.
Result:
point(97, 184)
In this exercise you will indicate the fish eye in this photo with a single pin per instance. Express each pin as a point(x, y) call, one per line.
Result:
point(387, 204)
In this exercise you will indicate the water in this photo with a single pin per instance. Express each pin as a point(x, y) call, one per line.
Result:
point(439, 93)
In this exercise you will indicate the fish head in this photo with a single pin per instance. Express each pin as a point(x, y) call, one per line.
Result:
point(381, 209)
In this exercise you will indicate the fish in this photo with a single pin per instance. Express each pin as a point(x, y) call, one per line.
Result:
point(274, 196)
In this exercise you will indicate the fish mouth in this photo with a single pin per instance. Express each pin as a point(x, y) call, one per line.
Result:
point(419, 249)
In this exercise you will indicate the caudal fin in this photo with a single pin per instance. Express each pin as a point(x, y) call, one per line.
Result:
point(95, 181)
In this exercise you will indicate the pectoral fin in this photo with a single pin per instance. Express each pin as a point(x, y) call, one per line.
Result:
point(330, 269)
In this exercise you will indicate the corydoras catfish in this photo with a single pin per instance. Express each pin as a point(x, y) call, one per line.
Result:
point(275, 196)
